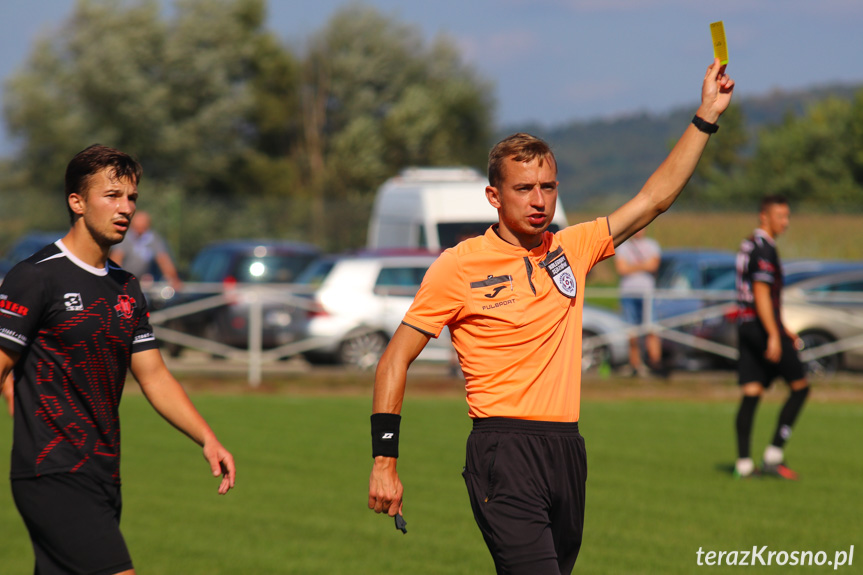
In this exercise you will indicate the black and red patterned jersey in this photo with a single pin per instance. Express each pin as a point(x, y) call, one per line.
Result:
point(758, 261)
point(75, 327)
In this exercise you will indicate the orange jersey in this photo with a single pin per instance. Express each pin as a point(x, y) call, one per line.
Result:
point(515, 318)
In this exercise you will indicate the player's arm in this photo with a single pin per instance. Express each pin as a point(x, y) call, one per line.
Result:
point(8, 359)
point(624, 267)
point(764, 310)
point(385, 487)
point(169, 270)
point(170, 400)
point(666, 183)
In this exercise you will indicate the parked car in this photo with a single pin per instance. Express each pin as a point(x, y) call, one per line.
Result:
point(605, 339)
point(712, 271)
point(682, 272)
point(26, 246)
point(361, 299)
point(232, 265)
point(826, 309)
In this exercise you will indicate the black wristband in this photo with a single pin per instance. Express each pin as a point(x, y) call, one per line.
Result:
point(385, 434)
point(704, 126)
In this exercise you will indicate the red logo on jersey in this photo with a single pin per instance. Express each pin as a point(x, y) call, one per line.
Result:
point(125, 306)
point(12, 308)
point(766, 266)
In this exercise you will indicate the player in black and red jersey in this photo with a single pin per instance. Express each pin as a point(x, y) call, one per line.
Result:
point(767, 349)
point(71, 324)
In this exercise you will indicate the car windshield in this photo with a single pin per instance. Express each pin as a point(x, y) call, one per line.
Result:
point(216, 266)
point(271, 269)
point(315, 274)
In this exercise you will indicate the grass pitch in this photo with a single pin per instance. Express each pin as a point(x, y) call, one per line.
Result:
point(659, 489)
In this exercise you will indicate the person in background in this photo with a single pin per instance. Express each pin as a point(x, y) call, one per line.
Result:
point(143, 253)
point(636, 262)
point(767, 349)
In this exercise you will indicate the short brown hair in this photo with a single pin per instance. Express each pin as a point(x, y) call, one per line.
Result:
point(772, 200)
point(93, 160)
point(520, 147)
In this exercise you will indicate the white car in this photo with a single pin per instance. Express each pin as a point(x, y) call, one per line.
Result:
point(360, 300)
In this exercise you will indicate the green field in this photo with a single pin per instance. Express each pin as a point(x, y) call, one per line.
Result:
point(659, 488)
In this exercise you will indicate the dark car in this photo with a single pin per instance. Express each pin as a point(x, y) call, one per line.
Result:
point(225, 269)
point(682, 272)
point(26, 246)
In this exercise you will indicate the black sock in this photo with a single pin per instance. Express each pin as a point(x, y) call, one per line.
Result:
point(745, 417)
point(788, 415)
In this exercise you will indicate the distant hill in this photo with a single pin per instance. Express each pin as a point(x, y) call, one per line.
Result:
point(603, 161)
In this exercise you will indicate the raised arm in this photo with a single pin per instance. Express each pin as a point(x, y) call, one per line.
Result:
point(170, 400)
point(385, 487)
point(666, 183)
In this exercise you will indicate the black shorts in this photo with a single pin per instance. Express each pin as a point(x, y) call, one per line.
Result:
point(752, 366)
point(526, 481)
point(74, 524)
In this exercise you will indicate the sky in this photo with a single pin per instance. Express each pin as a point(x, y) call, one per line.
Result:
point(556, 61)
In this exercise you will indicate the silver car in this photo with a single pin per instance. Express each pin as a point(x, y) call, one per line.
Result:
point(828, 310)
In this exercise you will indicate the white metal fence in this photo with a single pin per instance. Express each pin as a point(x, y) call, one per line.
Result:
point(256, 297)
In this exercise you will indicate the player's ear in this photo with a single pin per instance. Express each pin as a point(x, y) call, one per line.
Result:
point(76, 203)
point(493, 196)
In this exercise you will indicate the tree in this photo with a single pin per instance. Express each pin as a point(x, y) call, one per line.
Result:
point(192, 98)
point(376, 99)
point(724, 159)
point(814, 160)
point(226, 120)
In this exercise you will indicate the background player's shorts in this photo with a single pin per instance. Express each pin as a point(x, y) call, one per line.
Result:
point(74, 524)
point(526, 481)
point(632, 309)
point(752, 366)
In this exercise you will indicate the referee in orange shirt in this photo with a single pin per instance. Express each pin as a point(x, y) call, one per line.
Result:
point(513, 300)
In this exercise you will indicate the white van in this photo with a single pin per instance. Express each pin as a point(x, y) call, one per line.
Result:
point(434, 209)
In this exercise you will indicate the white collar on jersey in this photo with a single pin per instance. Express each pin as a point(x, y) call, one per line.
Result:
point(77, 261)
point(762, 234)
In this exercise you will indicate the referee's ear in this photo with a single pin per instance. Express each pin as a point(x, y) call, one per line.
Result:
point(492, 194)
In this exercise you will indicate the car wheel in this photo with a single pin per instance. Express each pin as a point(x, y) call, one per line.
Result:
point(593, 358)
point(212, 333)
point(318, 358)
point(825, 365)
point(363, 350)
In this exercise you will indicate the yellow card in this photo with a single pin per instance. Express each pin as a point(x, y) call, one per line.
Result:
point(720, 47)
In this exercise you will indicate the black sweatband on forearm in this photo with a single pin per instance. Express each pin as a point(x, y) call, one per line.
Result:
point(385, 434)
point(704, 126)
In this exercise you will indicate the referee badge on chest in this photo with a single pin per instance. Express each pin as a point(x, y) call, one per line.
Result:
point(557, 266)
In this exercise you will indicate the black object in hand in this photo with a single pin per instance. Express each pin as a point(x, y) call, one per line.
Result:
point(401, 524)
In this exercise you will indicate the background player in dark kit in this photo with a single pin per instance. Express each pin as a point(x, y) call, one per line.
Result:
point(767, 349)
point(71, 324)
point(525, 468)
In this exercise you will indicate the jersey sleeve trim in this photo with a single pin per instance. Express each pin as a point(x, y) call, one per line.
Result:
point(419, 329)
